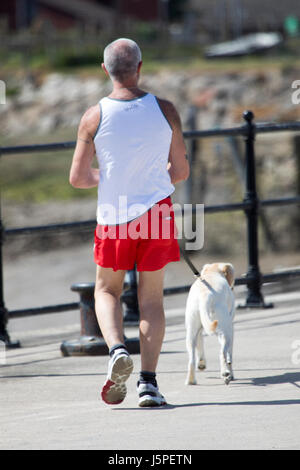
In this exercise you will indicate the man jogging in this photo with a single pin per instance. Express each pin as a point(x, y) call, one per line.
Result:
point(138, 141)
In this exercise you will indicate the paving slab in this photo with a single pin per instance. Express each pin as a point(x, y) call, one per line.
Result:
point(51, 402)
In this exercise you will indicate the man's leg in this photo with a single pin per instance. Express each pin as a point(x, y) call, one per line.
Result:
point(108, 289)
point(152, 330)
point(152, 317)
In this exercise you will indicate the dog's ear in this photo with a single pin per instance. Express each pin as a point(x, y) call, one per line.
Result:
point(228, 271)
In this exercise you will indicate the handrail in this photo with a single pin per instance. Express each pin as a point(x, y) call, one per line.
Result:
point(260, 128)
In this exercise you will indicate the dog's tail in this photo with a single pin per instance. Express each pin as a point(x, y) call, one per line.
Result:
point(209, 325)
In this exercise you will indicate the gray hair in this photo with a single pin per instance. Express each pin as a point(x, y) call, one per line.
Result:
point(121, 58)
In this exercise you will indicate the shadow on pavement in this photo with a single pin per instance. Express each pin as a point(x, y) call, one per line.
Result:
point(288, 377)
point(233, 403)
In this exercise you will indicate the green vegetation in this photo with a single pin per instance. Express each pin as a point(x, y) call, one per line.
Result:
point(41, 176)
point(38, 178)
point(85, 58)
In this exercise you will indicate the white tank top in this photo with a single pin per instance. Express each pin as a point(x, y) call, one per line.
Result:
point(132, 146)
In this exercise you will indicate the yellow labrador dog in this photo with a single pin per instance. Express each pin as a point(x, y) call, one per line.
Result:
point(210, 307)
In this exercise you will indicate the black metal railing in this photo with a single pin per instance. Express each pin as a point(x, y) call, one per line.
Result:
point(251, 205)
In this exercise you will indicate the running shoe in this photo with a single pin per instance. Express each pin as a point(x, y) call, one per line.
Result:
point(119, 369)
point(149, 395)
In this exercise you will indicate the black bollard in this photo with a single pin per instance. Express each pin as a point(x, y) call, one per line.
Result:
point(131, 315)
point(91, 341)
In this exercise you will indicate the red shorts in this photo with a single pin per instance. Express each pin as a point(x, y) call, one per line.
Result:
point(148, 241)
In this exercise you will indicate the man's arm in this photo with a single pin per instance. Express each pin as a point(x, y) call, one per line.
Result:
point(82, 175)
point(178, 166)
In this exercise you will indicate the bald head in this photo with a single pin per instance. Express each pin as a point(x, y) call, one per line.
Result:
point(121, 58)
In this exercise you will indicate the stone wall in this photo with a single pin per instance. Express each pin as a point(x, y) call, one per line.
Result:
point(55, 101)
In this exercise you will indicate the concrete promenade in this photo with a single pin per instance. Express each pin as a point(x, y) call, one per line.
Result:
point(51, 402)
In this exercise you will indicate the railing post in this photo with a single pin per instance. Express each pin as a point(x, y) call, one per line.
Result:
point(3, 312)
point(297, 182)
point(4, 336)
point(192, 154)
point(254, 278)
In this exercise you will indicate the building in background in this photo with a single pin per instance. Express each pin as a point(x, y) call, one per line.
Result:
point(20, 14)
point(223, 19)
point(188, 20)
